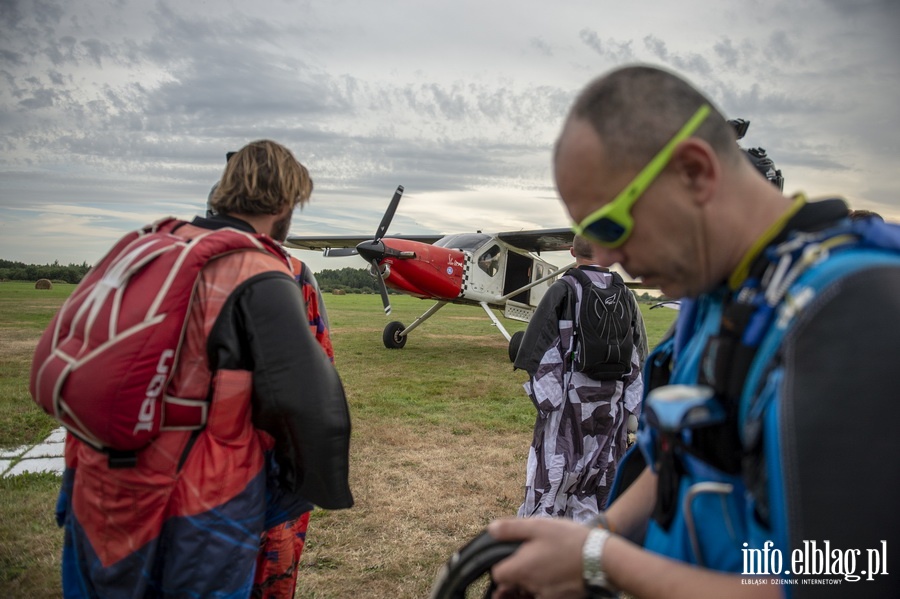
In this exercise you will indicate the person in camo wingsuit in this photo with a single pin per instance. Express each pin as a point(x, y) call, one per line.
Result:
point(580, 433)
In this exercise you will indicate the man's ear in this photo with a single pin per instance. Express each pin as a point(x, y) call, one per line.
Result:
point(697, 167)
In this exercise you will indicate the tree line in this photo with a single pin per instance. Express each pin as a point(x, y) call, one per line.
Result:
point(349, 280)
point(56, 272)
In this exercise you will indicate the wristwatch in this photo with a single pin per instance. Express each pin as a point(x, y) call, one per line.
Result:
point(592, 570)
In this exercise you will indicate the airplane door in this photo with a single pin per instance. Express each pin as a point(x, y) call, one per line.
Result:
point(518, 274)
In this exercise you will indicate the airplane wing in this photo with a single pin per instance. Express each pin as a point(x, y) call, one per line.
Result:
point(322, 242)
point(540, 240)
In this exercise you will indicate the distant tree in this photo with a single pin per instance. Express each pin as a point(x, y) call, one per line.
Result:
point(351, 280)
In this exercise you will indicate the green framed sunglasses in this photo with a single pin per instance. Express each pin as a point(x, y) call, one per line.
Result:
point(611, 225)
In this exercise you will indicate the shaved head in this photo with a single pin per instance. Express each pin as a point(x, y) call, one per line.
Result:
point(582, 248)
point(635, 110)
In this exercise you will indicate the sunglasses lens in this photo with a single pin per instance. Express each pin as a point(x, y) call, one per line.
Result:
point(605, 230)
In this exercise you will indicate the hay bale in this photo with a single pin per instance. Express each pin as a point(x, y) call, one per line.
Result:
point(43, 284)
point(338, 292)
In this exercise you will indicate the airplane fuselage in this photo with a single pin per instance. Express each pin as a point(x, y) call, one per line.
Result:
point(434, 272)
point(482, 270)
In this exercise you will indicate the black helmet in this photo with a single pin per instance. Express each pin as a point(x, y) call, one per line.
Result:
point(765, 166)
point(758, 156)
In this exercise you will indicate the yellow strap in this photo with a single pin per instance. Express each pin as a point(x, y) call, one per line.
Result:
point(743, 268)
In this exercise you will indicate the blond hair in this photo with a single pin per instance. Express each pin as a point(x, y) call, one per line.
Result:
point(261, 178)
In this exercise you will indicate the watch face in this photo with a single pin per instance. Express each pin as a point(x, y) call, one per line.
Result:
point(597, 592)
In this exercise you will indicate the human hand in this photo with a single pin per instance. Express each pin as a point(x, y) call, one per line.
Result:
point(547, 565)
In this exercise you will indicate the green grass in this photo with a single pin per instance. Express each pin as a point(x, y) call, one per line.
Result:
point(30, 542)
point(414, 410)
point(21, 305)
point(24, 314)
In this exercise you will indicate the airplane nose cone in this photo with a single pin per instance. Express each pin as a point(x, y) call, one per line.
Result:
point(371, 250)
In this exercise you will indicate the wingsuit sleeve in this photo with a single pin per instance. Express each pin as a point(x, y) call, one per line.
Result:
point(298, 396)
point(838, 419)
point(543, 328)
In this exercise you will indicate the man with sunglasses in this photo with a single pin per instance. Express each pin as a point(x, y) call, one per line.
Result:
point(783, 359)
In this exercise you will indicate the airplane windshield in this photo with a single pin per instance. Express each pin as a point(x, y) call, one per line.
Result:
point(463, 241)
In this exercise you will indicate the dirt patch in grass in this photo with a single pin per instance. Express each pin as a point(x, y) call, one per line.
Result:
point(479, 340)
point(420, 495)
point(347, 331)
point(16, 344)
point(479, 316)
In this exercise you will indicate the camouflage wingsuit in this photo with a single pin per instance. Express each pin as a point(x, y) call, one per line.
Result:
point(580, 432)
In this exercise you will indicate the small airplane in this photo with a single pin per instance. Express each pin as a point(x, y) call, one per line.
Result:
point(499, 270)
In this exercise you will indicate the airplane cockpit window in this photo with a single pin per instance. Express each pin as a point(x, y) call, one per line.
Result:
point(489, 261)
point(463, 241)
point(539, 271)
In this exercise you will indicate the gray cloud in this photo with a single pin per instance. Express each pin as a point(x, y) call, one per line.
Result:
point(781, 48)
point(616, 51)
point(117, 103)
point(690, 62)
point(541, 46)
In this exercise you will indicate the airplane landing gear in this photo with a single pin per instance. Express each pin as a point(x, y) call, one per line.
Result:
point(392, 337)
point(514, 342)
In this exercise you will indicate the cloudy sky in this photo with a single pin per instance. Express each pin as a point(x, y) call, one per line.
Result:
point(116, 112)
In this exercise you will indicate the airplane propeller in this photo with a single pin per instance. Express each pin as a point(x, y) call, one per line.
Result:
point(374, 250)
point(339, 252)
point(382, 287)
point(389, 214)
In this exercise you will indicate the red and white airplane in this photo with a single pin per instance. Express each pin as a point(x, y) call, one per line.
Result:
point(497, 270)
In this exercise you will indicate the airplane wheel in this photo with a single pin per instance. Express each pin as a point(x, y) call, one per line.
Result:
point(391, 336)
point(514, 342)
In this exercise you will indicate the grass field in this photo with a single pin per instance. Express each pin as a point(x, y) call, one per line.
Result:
point(441, 433)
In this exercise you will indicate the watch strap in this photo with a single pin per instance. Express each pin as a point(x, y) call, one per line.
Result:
point(592, 568)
